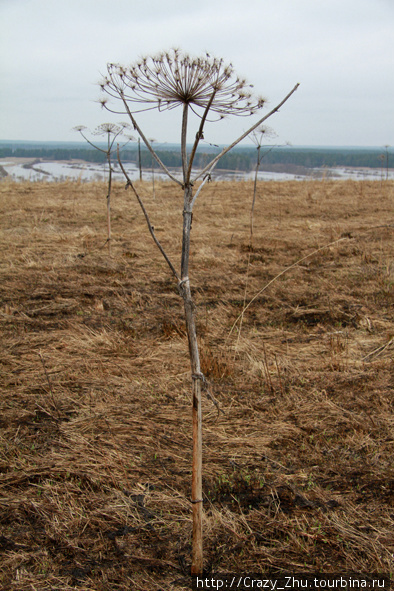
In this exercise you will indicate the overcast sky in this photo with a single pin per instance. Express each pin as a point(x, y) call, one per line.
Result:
point(341, 52)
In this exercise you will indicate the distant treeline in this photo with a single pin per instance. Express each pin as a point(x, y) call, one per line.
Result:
point(53, 154)
point(241, 158)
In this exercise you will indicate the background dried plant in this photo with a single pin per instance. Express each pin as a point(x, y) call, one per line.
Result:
point(258, 136)
point(112, 133)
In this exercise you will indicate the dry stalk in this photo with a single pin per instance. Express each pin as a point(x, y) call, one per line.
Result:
point(112, 132)
point(207, 87)
point(49, 385)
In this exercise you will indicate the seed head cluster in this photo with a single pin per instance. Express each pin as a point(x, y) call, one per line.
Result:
point(261, 133)
point(110, 128)
point(172, 79)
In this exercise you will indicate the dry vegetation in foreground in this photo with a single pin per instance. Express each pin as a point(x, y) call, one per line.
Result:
point(95, 384)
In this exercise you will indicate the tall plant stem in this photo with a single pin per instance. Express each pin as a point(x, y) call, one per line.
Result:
point(185, 291)
point(254, 195)
point(197, 552)
point(109, 201)
point(184, 285)
point(183, 143)
point(197, 377)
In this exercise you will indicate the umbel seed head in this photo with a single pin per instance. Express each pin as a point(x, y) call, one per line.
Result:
point(171, 79)
point(110, 128)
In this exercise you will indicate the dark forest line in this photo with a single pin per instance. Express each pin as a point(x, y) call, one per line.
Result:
point(241, 158)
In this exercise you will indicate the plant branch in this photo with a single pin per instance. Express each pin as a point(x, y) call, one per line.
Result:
point(207, 178)
point(184, 143)
point(150, 227)
point(199, 135)
point(92, 144)
point(148, 145)
point(244, 135)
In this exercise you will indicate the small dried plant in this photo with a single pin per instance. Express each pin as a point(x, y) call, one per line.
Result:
point(210, 89)
point(112, 132)
point(258, 136)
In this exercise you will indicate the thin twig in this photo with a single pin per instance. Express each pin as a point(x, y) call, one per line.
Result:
point(279, 376)
point(267, 371)
point(244, 307)
point(199, 136)
point(280, 275)
point(207, 178)
point(49, 385)
point(147, 144)
point(379, 350)
point(150, 227)
point(244, 135)
point(206, 389)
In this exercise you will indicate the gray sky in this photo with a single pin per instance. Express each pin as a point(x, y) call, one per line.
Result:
point(340, 51)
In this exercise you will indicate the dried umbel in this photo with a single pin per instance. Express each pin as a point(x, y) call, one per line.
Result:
point(260, 134)
point(172, 78)
point(110, 129)
point(107, 129)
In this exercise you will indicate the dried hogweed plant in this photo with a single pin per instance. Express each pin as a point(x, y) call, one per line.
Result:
point(112, 132)
point(210, 89)
point(258, 137)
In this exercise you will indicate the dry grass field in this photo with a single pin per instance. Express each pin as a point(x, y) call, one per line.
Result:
point(95, 440)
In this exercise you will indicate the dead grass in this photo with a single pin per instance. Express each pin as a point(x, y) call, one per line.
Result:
point(95, 436)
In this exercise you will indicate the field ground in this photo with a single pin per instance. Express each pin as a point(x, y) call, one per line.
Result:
point(95, 384)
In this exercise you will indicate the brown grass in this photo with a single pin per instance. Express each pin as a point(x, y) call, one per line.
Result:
point(95, 380)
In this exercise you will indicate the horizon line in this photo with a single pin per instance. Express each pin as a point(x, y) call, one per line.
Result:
point(251, 145)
